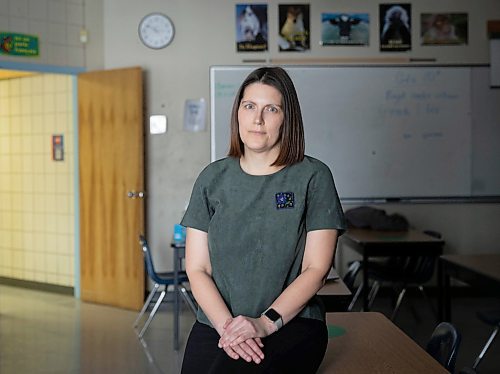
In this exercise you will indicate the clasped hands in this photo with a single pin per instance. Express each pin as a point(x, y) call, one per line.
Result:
point(241, 337)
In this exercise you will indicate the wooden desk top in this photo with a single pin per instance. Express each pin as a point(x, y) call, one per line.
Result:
point(365, 236)
point(370, 343)
point(334, 287)
point(485, 264)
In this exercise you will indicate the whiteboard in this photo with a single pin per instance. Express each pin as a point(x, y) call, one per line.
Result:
point(385, 132)
point(485, 135)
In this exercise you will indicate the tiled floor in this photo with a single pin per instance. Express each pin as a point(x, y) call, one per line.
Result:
point(50, 333)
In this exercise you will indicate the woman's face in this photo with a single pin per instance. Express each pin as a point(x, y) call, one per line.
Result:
point(260, 116)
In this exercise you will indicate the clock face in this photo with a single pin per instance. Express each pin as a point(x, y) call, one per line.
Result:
point(156, 30)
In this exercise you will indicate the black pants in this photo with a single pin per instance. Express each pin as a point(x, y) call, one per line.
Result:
point(298, 347)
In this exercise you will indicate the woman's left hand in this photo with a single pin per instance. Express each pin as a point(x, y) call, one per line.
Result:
point(241, 328)
point(250, 350)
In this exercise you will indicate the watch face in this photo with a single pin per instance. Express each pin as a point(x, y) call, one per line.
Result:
point(272, 315)
point(156, 30)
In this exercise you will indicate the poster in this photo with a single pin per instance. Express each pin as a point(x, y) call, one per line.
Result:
point(15, 44)
point(294, 29)
point(345, 29)
point(444, 28)
point(395, 27)
point(251, 28)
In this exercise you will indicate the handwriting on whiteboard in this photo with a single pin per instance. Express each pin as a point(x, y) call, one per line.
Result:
point(416, 99)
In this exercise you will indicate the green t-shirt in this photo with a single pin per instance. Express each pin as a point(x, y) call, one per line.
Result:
point(257, 229)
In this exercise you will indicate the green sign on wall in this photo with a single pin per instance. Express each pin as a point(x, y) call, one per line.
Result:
point(18, 44)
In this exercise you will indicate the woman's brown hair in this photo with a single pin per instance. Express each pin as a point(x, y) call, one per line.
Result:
point(291, 139)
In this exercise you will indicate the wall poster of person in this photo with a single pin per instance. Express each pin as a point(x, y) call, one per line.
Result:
point(395, 27)
point(444, 28)
point(251, 28)
point(345, 29)
point(294, 31)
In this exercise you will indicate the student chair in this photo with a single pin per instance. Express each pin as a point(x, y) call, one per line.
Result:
point(403, 272)
point(444, 344)
point(160, 279)
point(349, 280)
point(492, 318)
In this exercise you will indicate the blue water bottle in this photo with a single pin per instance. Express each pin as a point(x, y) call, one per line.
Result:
point(179, 233)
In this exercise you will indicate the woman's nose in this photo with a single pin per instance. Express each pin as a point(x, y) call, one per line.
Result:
point(258, 118)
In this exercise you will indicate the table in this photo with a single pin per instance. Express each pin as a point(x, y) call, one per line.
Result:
point(368, 342)
point(375, 243)
point(478, 270)
point(334, 294)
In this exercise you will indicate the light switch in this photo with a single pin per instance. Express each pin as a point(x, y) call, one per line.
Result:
point(157, 124)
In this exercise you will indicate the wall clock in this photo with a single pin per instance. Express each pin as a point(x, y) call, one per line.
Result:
point(156, 30)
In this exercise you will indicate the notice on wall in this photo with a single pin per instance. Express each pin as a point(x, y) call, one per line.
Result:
point(194, 115)
point(57, 147)
point(15, 44)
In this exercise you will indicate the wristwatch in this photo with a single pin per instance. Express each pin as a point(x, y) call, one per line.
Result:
point(274, 317)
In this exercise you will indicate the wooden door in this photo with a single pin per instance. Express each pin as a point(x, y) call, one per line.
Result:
point(111, 157)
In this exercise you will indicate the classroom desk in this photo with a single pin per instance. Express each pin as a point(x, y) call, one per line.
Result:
point(374, 243)
point(335, 295)
point(477, 270)
point(367, 342)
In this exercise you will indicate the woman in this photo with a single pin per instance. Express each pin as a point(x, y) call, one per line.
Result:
point(262, 227)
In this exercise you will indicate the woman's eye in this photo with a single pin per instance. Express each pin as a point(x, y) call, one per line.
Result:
point(248, 106)
point(272, 109)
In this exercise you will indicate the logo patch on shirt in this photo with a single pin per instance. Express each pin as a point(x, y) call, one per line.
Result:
point(285, 200)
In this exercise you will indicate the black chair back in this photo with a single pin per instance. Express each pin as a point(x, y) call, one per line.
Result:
point(149, 261)
point(444, 344)
point(351, 274)
point(418, 269)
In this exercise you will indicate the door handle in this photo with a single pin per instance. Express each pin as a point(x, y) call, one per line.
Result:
point(136, 194)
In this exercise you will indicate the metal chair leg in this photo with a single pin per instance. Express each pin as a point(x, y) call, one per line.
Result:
point(355, 298)
point(373, 293)
point(146, 304)
point(485, 348)
point(398, 303)
point(153, 312)
point(433, 310)
point(189, 300)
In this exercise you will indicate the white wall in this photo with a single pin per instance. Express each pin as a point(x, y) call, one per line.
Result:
point(205, 36)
